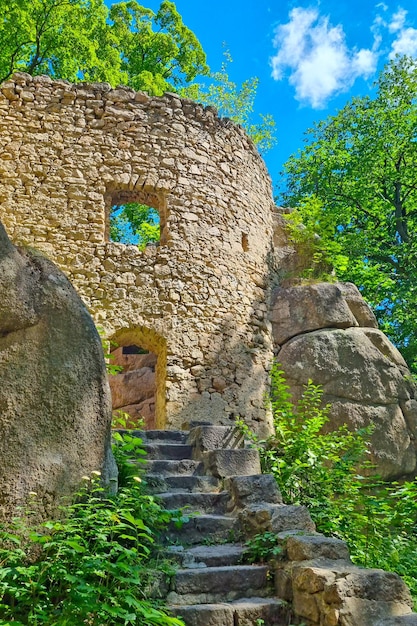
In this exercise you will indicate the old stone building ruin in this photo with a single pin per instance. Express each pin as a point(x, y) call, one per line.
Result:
point(197, 319)
point(198, 300)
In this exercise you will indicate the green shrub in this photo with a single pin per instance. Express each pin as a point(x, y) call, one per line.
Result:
point(326, 471)
point(97, 565)
point(262, 548)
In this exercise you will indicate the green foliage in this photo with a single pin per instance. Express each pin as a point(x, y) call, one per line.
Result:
point(82, 40)
point(159, 53)
point(360, 165)
point(325, 471)
point(126, 447)
point(312, 467)
point(262, 548)
point(235, 102)
point(68, 39)
point(97, 565)
point(111, 369)
point(135, 222)
point(323, 255)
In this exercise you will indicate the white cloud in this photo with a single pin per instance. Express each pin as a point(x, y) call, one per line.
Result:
point(406, 37)
point(315, 53)
point(406, 43)
point(397, 21)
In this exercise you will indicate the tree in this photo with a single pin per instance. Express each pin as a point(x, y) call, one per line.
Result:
point(79, 40)
point(361, 165)
point(235, 102)
point(158, 52)
point(68, 39)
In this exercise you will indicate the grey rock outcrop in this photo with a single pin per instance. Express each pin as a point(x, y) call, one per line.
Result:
point(328, 334)
point(55, 406)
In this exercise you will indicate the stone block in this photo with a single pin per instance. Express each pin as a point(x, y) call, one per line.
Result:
point(369, 584)
point(288, 517)
point(305, 606)
point(400, 620)
point(361, 612)
point(306, 547)
point(312, 579)
point(250, 611)
point(258, 518)
point(205, 438)
point(226, 463)
point(255, 489)
point(207, 614)
point(283, 583)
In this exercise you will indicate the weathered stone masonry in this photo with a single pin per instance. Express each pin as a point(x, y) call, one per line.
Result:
point(69, 152)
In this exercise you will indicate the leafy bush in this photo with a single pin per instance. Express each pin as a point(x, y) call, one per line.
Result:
point(326, 471)
point(100, 564)
point(262, 548)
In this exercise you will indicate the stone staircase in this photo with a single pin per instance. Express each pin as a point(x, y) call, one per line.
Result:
point(212, 587)
point(228, 500)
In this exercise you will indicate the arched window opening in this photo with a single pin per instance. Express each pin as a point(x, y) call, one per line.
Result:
point(137, 218)
point(138, 390)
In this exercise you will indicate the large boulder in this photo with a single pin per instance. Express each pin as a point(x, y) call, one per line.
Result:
point(301, 309)
point(55, 405)
point(326, 333)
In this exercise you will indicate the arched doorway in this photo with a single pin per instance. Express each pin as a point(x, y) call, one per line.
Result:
point(139, 388)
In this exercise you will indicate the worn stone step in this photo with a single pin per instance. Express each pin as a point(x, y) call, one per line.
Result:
point(207, 556)
point(244, 612)
point(163, 467)
point(399, 620)
point(168, 451)
point(163, 436)
point(174, 484)
point(218, 584)
point(214, 503)
point(204, 529)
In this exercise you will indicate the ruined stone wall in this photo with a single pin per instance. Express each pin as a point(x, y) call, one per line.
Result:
point(70, 152)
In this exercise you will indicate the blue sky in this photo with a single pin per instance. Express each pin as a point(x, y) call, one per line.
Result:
point(310, 57)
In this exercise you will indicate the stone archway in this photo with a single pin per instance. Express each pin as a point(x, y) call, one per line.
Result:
point(139, 388)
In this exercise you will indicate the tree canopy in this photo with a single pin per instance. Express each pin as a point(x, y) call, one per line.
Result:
point(158, 52)
point(81, 40)
point(360, 165)
point(235, 102)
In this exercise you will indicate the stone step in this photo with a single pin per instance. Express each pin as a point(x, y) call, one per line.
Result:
point(163, 436)
point(207, 556)
point(244, 612)
point(399, 620)
point(163, 467)
point(168, 451)
point(214, 503)
point(218, 584)
point(202, 529)
point(180, 484)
